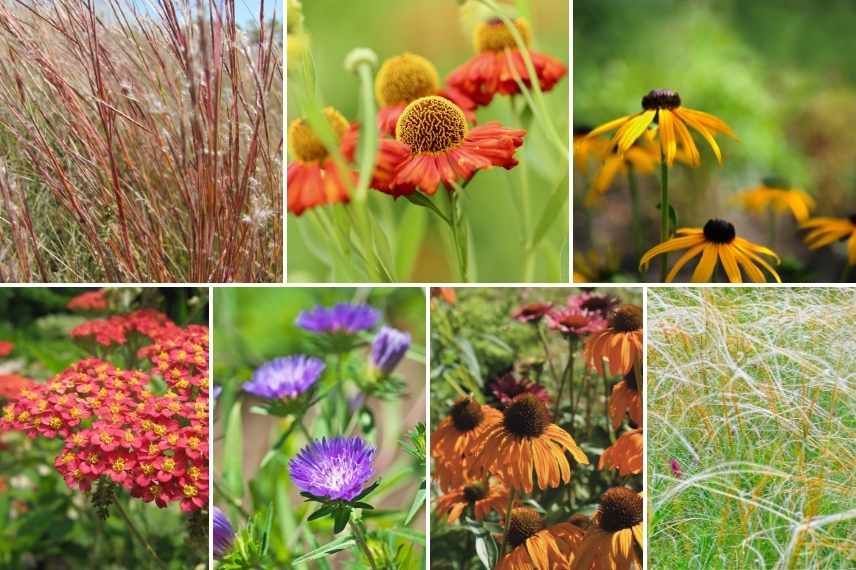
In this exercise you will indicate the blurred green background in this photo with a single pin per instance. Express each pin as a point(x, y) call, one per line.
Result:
point(440, 31)
point(781, 74)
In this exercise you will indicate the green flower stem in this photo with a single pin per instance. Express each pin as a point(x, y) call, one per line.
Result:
point(572, 349)
point(520, 197)
point(547, 354)
point(771, 222)
point(665, 232)
point(358, 532)
point(459, 240)
point(636, 221)
point(507, 525)
point(231, 500)
point(138, 535)
point(845, 273)
point(606, 401)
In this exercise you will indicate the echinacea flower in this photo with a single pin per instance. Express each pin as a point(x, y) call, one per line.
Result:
point(825, 231)
point(777, 195)
point(531, 313)
point(453, 443)
point(626, 398)
point(403, 79)
point(575, 323)
point(507, 387)
point(388, 348)
point(313, 177)
point(615, 535)
point(625, 454)
point(600, 303)
point(336, 468)
point(717, 240)
point(286, 377)
point(663, 106)
point(434, 145)
point(224, 534)
point(523, 440)
point(343, 318)
point(533, 545)
point(498, 60)
point(481, 497)
point(620, 344)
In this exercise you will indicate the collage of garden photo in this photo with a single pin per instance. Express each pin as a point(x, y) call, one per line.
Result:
point(427, 285)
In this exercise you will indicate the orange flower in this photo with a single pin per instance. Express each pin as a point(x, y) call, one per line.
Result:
point(533, 546)
point(523, 439)
point(620, 344)
point(499, 60)
point(626, 399)
point(482, 496)
point(434, 145)
point(313, 178)
point(453, 443)
point(615, 539)
point(625, 454)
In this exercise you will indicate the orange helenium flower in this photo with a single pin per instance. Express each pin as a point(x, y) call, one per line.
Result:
point(534, 546)
point(482, 496)
point(625, 454)
point(615, 535)
point(523, 440)
point(620, 344)
point(626, 398)
point(453, 443)
point(499, 60)
point(434, 145)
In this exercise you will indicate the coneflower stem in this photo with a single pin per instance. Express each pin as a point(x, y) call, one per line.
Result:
point(547, 354)
point(606, 400)
point(507, 526)
point(357, 530)
point(664, 214)
point(636, 222)
point(572, 348)
point(138, 535)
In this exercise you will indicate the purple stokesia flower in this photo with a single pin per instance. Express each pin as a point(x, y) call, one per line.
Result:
point(335, 468)
point(388, 348)
point(286, 377)
point(342, 318)
point(224, 534)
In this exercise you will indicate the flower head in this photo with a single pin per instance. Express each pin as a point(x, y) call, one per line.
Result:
point(600, 303)
point(717, 240)
point(89, 301)
point(482, 496)
point(575, 323)
point(344, 318)
point(620, 344)
point(617, 525)
point(625, 454)
point(676, 468)
point(454, 442)
point(6, 348)
point(224, 534)
point(335, 468)
point(825, 231)
point(663, 106)
point(534, 545)
point(531, 313)
point(507, 387)
point(388, 348)
point(286, 377)
point(776, 194)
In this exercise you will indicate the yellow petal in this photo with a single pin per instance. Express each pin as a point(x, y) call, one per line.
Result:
point(679, 264)
point(667, 136)
point(704, 270)
point(667, 246)
point(729, 262)
point(611, 125)
point(632, 130)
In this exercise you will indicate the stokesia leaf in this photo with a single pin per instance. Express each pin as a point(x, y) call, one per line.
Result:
point(341, 543)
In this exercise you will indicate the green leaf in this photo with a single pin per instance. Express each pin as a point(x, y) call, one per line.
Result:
point(420, 199)
point(407, 534)
point(322, 512)
point(341, 518)
point(266, 532)
point(487, 550)
point(233, 477)
point(417, 503)
point(555, 205)
point(362, 505)
point(341, 543)
point(367, 491)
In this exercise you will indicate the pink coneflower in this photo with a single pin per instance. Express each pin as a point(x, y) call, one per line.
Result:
point(506, 387)
point(575, 322)
point(531, 313)
point(600, 303)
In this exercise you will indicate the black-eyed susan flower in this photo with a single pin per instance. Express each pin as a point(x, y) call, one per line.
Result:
point(620, 344)
point(625, 454)
point(492, 70)
point(533, 545)
point(716, 241)
point(587, 149)
point(663, 107)
point(643, 158)
point(523, 440)
point(481, 497)
point(403, 79)
point(826, 231)
point(614, 540)
point(313, 178)
point(626, 399)
point(454, 444)
point(777, 195)
point(434, 145)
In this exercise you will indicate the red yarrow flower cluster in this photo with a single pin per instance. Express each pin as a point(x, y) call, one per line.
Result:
point(12, 384)
point(6, 348)
point(117, 328)
point(155, 445)
point(89, 301)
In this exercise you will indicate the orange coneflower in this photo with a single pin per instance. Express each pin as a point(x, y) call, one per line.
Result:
point(405, 78)
point(777, 195)
point(453, 443)
point(499, 60)
point(313, 178)
point(482, 496)
point(534, 546)
point(716, 241)
point(620, 344)
point(615, 539)
point(434, 145)
point(625, 454)
point(825, 231)
point(663, 106)
point(626, 399)
point(522, 440)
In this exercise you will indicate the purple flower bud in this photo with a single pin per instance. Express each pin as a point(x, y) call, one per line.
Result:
point(287, 377)
point(342, 318)
point(388, 348)
point(224, 534)
point(676, 468)
point(336, 468)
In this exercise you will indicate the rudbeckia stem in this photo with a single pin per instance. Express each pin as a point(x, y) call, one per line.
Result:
point(664, 214)
point(137, 534)
point(359, 535)
point(772, 227)
point(636, 222)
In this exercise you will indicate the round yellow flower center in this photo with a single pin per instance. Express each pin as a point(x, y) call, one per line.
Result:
point(620, 508)
point(431, 125)
point(405, 78)
point(305, 144)
point(524, 524)
point(190, 491)
point(466, 414)
point(493, 35)
point(626, 318)
point(526, 416)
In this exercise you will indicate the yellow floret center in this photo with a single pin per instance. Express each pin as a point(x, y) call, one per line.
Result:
point(494, 35)
point(305, 144)
point(431, 124)
point(405, 78)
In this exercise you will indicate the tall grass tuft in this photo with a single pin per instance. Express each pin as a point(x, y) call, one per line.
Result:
point(142, 142)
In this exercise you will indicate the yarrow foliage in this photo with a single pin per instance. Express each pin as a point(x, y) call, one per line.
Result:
point(115, 426)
